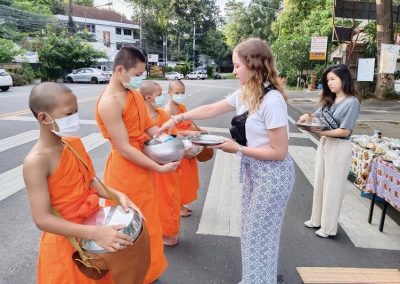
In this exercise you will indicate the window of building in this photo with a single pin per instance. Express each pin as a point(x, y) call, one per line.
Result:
point(90, 28)
point(127, 32)
point(118, 31)
point(136, 34)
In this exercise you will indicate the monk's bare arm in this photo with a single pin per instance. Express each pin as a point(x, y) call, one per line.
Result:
point(35, 172)
point(110, 110)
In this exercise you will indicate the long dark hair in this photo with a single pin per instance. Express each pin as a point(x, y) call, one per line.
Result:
point(340, 70)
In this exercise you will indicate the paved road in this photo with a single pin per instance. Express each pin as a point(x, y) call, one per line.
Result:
point(209, 248)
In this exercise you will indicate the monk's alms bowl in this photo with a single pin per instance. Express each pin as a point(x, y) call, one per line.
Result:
point(113, 215)
point(162, 153)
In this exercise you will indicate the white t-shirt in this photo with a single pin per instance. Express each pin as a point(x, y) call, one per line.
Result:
point(272, 113)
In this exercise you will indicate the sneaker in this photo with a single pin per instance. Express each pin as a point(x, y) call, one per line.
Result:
point(322, 234)
point(308, 224)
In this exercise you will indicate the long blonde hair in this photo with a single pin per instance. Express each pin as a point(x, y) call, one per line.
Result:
point(258, 58)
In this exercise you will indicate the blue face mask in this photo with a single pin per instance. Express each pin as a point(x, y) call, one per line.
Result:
point(134, 83)
point(160, 100)
point(178, 98)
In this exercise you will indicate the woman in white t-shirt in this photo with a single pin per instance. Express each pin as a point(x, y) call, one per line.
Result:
point(267, 171)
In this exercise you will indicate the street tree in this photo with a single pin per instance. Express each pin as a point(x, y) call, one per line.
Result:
point(8, 50)
point(384, 34)
point(62, 53)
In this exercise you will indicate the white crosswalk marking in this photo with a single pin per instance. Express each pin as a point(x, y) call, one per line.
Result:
point(12, 180)
point(17, 140)
point(221, 212)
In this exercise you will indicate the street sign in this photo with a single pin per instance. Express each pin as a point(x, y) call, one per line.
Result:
point(318, 47)
point(365, 71)
point(317, 55)
point(388, 59)
point(152, 58)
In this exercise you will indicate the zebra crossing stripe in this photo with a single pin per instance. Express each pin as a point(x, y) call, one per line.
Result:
point(17, 140)
point(12, 180)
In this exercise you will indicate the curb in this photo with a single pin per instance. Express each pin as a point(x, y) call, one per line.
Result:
point(376, 120)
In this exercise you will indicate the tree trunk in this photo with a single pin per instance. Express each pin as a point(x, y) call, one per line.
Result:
point(384, 34)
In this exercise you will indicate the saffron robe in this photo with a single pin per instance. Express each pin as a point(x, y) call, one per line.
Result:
point(70, 193)
point(136, 182)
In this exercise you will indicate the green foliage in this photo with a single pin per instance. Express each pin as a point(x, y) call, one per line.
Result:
point(370, 40)
point(8, 50)
point(18, 78)
point(63, 52)
point(87, 3)
point(32, 6)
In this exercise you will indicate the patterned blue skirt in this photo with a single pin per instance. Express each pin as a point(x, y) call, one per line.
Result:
point(266, 190)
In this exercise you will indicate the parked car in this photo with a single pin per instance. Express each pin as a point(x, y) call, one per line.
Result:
point(5, 80)
point(92, 75)
point(104, 68)
point(196, 75)
point(217, 76)
point(174, 75)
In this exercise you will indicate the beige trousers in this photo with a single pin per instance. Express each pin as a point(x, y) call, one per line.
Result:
point(332, 165)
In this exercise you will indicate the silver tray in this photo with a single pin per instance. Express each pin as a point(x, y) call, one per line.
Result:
point(312, 127)
point(113, 215)
point(207, 140)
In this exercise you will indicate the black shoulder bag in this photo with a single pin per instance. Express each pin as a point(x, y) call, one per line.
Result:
point(329, 119)
point(238, 129)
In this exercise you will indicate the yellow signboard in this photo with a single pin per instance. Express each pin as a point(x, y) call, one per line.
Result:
point(317, 56)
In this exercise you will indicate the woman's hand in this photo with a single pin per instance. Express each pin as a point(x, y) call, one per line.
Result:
point(110, 237)
point(228, 146)
point(304, 118)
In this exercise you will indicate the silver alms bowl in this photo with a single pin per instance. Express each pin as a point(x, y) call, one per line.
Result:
point(166, 152)
point(113, 215)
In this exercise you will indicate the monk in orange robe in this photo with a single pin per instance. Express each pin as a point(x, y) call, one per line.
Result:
point(122, 117)
point(55, 178)
point(168, 185)
point(188, 167)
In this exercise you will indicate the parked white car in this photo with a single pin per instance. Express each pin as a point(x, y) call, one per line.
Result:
point(92, 75)
point(174, 75)
point(196, 75)
point(5, 80)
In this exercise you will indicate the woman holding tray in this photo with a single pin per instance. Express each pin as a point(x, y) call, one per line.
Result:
point(267, 171)
point(339, 111)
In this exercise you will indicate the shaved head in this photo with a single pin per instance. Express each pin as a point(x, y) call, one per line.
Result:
point(148, 88)
point(45, 96)
point(176, 83)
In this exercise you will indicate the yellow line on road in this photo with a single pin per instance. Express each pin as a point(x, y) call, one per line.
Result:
point(26, 111)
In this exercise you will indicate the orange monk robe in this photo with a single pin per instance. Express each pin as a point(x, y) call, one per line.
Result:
point(168, 190)
point(189, 172)
point(137, 182)
point(71, 195)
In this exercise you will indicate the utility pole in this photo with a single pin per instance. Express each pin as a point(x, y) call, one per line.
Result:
point(194, 42)
point(70, 22)
point(141, 26)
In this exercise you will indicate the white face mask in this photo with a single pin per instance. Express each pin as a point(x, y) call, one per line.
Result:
point(68, 126)
point(160, 100)
point(178, 98)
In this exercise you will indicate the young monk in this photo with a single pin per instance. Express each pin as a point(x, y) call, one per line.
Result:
point(54, 177)
point(123, 119)
point(188, 168)
point(168, 184)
